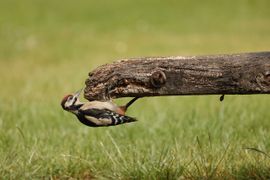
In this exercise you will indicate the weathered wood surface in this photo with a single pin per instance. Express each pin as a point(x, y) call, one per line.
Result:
point(246, 73)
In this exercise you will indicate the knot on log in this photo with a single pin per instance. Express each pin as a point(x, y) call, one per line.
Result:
point(158, 79)
point(267, 77)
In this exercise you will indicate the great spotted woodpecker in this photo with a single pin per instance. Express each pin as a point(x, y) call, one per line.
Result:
point(97, 113)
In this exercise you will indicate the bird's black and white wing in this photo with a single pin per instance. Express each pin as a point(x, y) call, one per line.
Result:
point(102, 117)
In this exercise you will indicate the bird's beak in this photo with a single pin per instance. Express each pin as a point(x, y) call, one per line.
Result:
point(77, 94)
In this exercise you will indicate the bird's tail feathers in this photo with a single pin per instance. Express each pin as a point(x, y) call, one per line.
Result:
point(130, 119)
point(125, 119)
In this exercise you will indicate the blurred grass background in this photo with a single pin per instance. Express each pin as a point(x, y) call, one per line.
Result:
point(47, 49)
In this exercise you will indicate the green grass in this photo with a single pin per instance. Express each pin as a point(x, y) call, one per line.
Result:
point(48, 47)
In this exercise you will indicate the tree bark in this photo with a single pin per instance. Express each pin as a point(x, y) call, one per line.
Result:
point(246, 73)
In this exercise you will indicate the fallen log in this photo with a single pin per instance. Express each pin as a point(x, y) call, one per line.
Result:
point(245, 73)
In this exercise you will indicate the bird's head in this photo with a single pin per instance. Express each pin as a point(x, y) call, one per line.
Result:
point(70, 102)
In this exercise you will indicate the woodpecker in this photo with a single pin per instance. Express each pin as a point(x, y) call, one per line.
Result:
point(97, 113)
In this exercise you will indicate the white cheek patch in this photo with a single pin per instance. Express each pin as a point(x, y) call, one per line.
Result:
point(68, 103)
